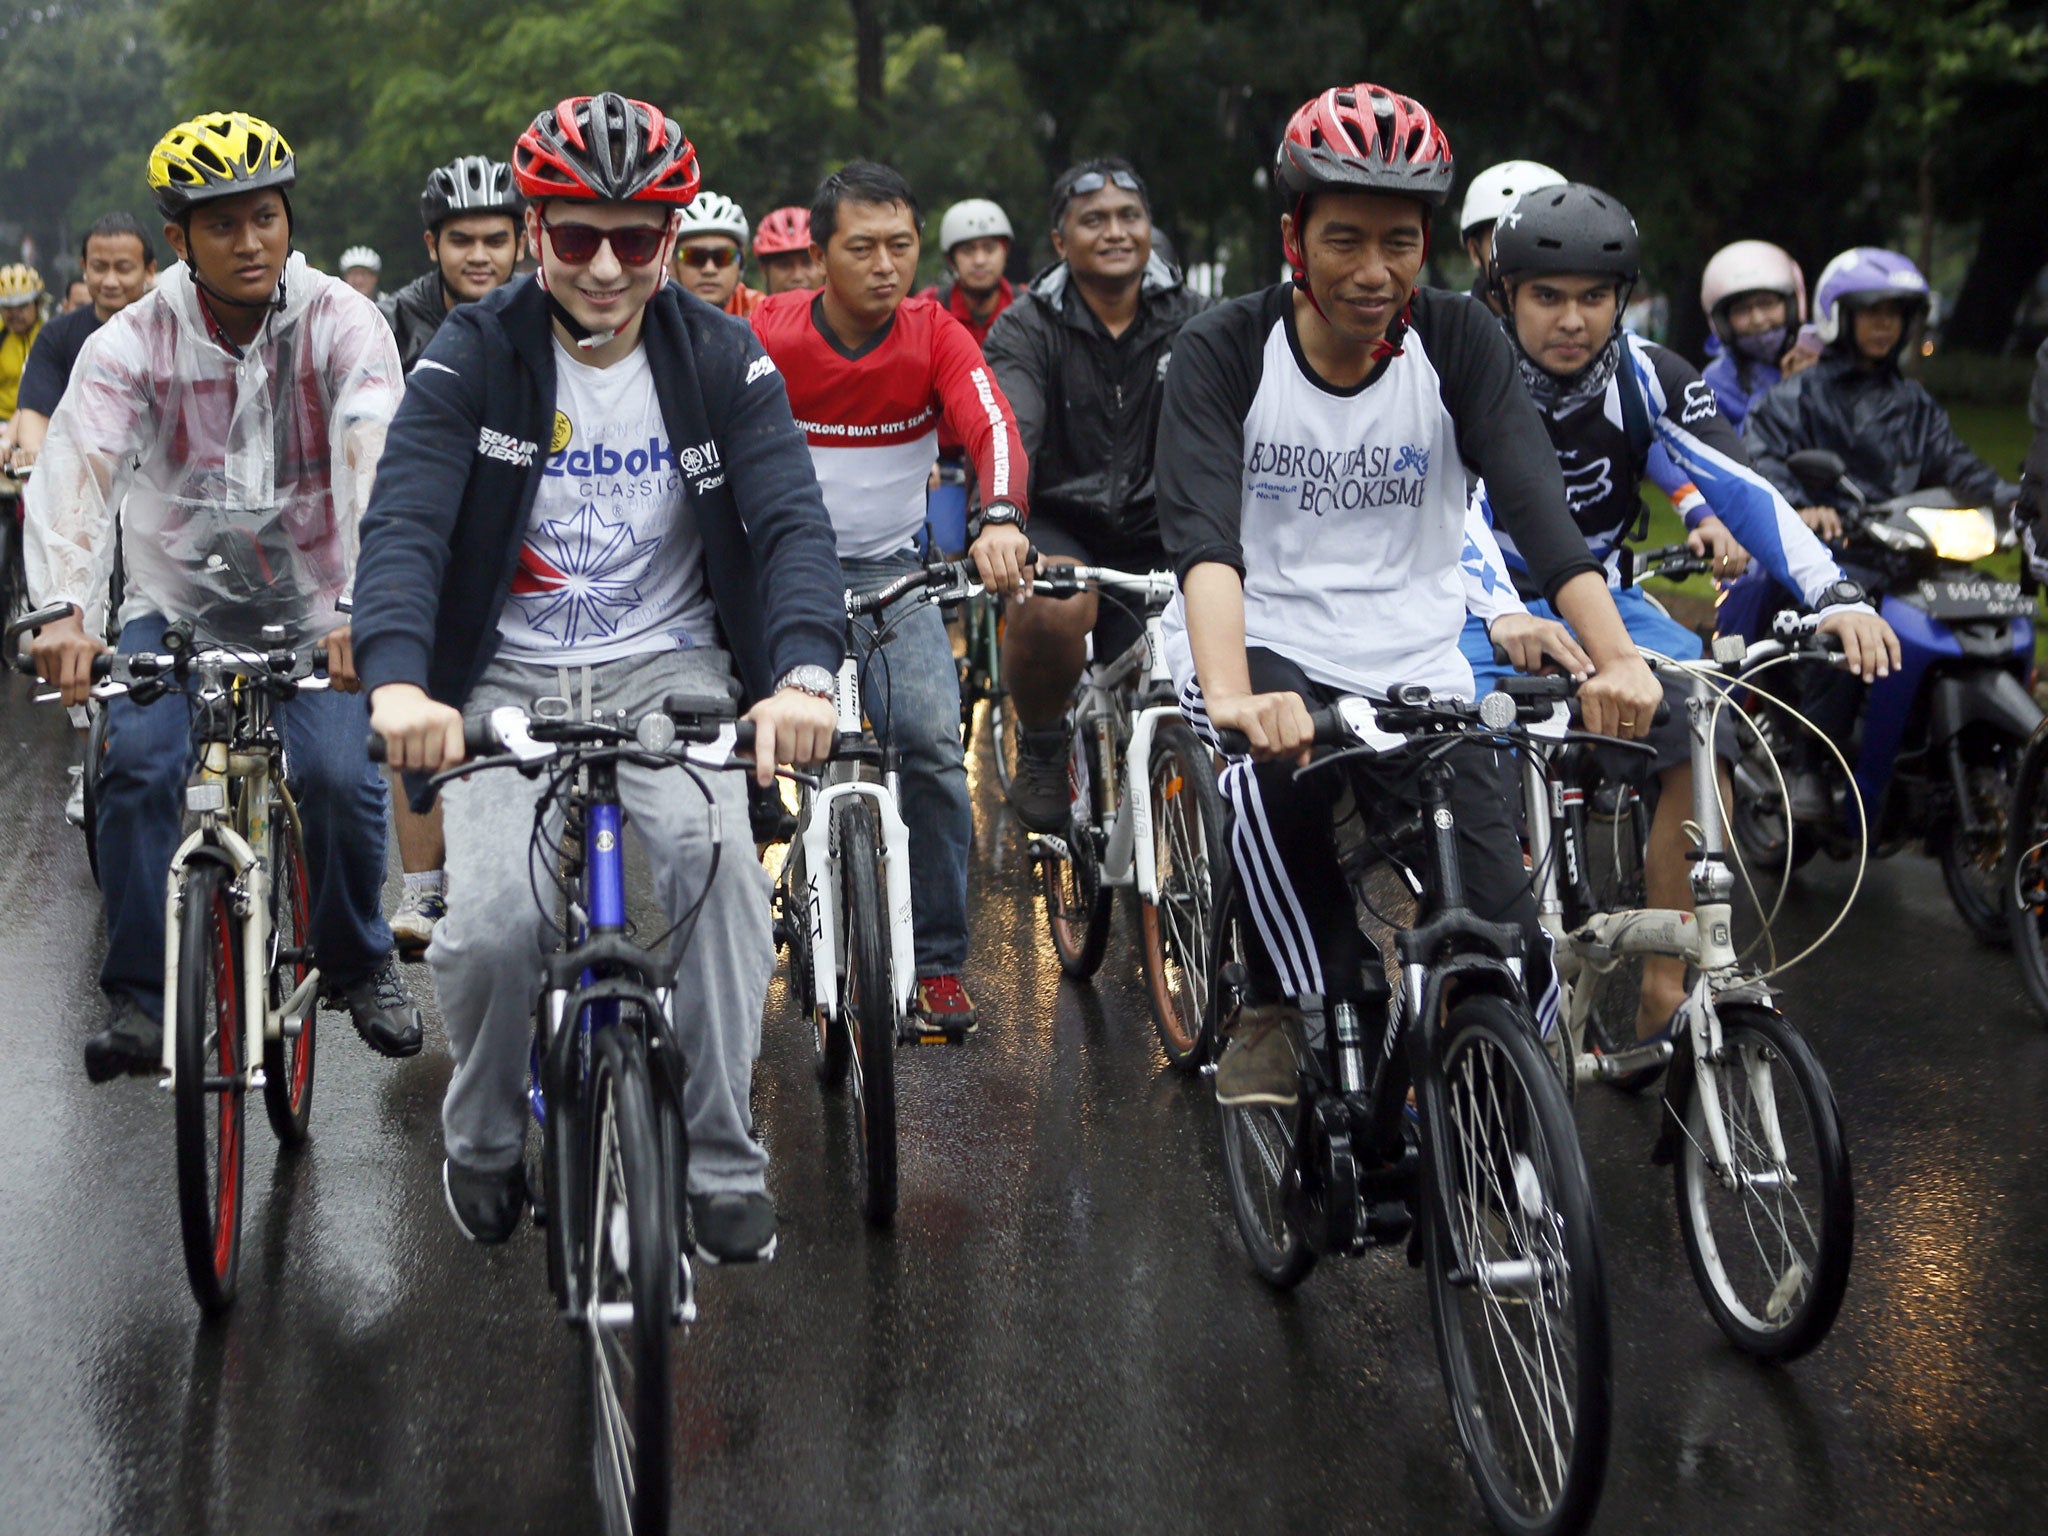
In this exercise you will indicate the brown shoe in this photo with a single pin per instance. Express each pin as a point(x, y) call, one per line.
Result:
point(1258, 1066)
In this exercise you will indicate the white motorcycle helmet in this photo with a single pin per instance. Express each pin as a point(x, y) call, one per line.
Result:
point(975, 219)
point(1750, 266)
point(713, 213)
point(1497, 186)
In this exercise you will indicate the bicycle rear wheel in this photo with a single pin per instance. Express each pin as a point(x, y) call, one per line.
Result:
point(209, 1087)
point(288, 1061)
point(1003, 740)
point(1617, 833)
point(1769, 1238)
point(868, 1007)
point(1517, 1290)
point(1188, 851)
point(630, 1251)
point(2026, 871)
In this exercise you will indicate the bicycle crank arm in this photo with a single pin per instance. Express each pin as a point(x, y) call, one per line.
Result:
point(289, 1020)
point(1044, 845)
point(1595, 1068)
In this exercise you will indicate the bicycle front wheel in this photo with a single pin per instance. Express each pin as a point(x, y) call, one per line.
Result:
point(630, 1250)
point(1769, 1235)
point(288, 1061)
point(209, 1087)
point(2026, 871)
point(868, 1006)
point(1517, 1289)
point(1187, 851)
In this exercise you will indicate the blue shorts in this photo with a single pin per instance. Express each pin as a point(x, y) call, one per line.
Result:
point(1649, 626)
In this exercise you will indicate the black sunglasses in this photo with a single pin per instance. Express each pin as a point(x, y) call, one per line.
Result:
point(577, 244)
point(1095, 181)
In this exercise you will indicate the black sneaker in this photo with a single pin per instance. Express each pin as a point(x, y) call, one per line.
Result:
point(768, 818)
point(1039, 793)
point(382, 1011)
point(732, 1228)
point(485, 1203)
point(132, 1045)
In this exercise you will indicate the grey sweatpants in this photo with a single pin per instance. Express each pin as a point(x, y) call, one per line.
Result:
point(487, 953)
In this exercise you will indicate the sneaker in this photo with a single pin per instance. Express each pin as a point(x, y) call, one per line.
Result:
point(132, 1045)
point(412, 925)
point(767, 817)
point(486, 1203)
point(1258, 1066)
point(1039, 792)
point(733, 1228)
point(74, 803)
point(382, 1011)
point(944, 1004)
point(1807, 796)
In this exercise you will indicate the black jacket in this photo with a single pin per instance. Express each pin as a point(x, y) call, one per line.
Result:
point(1088, 405)
point(414, 314)
point(463, 461)
point(2034, 474)
point(1891, 433)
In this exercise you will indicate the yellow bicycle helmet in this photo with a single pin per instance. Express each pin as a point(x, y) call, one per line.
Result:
point(19, 285)
point(217, 154)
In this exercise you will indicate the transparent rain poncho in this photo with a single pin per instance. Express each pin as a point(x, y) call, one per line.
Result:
point(239, 484)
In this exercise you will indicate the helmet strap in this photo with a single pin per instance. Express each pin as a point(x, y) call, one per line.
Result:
point(277, 300)
point(1387, 344)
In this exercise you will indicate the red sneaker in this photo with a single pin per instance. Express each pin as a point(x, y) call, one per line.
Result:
point(944, 1004)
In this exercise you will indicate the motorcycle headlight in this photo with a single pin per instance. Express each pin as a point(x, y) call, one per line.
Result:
point(1957, 533)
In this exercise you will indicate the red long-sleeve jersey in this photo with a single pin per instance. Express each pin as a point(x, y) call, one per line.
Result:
point(871, 416)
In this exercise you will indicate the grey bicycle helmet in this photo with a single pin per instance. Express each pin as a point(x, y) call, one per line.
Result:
point(468, 184)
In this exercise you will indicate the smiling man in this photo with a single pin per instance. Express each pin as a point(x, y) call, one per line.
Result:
point(471, 212)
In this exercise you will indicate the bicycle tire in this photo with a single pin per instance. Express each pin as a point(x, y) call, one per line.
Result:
point(288, 1063)
point(2026, 871)
point(868, 1007)
point(1760, 1038)
point(1770, 841)
point(831, 1046)
point(1502, 1112)
point(93, 770)
point(1260, 1141)
point(1077, 903)
point(1002, 740)
point(209, 1120)
point(1617, 837)
point(629, 1251)
point(1972, 864)
point(1188, 820)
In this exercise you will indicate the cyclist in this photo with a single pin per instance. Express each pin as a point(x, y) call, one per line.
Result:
point(362, 269)
point(871, 372)
point(240, 405)
point(974, 243)
point(1313, 451)
point(120, 264)
point(711, 254)
point(593, 490)
point(2032, 505)
point(1083, 355)
point(1755, 298)
point(783, 247)
point(470, 211)
point(77, 294)
point(1486, 199)
point(22, 303)
point(1564, 261)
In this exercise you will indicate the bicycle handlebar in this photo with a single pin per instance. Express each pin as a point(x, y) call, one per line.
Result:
point(512, 733)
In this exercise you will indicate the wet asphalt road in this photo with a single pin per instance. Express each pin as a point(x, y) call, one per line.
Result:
point(1060, 1332)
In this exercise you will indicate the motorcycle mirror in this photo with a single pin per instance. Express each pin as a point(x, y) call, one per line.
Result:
point(1818, 469)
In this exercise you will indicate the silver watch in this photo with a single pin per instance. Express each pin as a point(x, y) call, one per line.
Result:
point(817, 681)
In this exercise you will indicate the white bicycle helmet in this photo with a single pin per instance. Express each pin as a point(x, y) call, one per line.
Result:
point(1497, 186)
point(975, 219)
point(713, 213)
point(361, 256)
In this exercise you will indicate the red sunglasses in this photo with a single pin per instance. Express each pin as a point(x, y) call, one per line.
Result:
point(635, 245)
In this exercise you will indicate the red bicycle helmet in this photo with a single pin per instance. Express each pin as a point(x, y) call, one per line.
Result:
point(1365, 138)
point(783, 232)
point(606, 148)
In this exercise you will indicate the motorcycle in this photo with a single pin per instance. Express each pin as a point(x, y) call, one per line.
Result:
point(1936, 744)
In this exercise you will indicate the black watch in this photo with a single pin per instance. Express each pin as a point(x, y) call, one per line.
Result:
point(1001, 513)
point(1840, 592)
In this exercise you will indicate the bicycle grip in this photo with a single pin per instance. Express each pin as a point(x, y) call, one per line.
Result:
point(1329, 732)
point(374, 745)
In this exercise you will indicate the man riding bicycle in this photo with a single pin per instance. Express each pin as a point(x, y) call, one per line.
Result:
point(1313, 453)
point(711, 254)
point(593, 492)
point(230, 422)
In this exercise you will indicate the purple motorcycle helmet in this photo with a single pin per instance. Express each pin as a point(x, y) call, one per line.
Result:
point(1866, 274)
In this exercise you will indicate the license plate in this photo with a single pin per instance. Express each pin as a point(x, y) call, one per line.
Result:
point(1972, 598)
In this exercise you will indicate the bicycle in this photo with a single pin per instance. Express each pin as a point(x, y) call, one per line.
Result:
point(1750, 1125)
point(608, 1071)
point(240, 983)
point(981, 682)
point(1483, 1179)
point(1145, 815)
point(843, 898)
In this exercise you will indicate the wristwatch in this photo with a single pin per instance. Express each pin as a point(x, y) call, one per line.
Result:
point(1839, 594)
point(999, 513)
point(817, 681)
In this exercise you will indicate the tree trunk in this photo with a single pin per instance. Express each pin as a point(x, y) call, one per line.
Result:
point(2010, 252)
point(868, 81)
point(1925, 255)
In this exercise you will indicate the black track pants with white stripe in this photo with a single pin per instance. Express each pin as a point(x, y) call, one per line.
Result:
point(1286, 858)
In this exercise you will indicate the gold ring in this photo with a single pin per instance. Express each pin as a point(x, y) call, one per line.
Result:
point(1628, 725)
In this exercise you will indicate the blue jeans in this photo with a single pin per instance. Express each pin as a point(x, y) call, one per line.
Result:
point(341, 800)
point(911, 692)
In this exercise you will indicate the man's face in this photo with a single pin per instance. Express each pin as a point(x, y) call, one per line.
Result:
point(1105, 235)
point(19, 318)
point(1563, 319)
point(603, 292)
point(1751, 314)
point(709, 266)
point(792, 269)
point(978, 264)
point(362, 279)
point(1361, 251)
point(117, 273)
point(872, 259)
point(239, 245)
point(1878, 328)
point(77, 294)
point(475, 252)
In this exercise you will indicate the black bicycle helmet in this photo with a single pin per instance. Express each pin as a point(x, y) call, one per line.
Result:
point(468, 184)
point(1573, 228)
